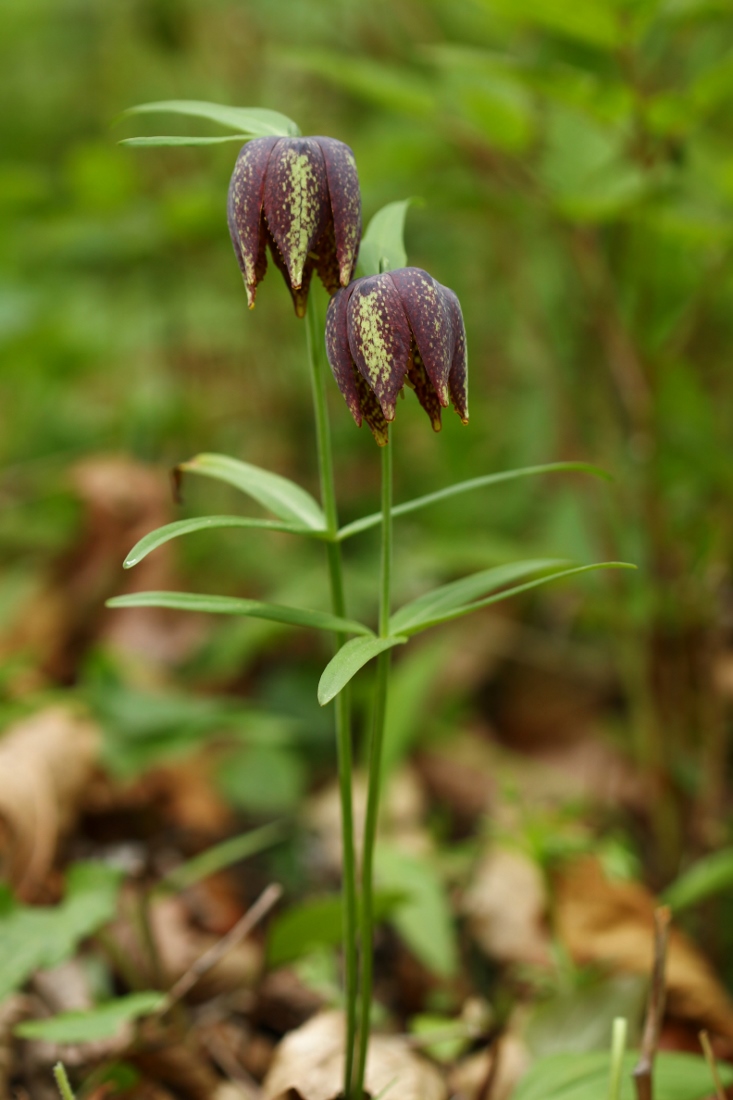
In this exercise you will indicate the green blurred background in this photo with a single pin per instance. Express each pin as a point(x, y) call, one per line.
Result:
point(574, 168)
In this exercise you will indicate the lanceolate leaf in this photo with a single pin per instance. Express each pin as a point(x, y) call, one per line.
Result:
point(466, 486)
point(347, 662)
point(102, 1022)
point(182, 139)
point(250, 121)
point(459, 593)
point(162, 535)
point(231, 605)
point(383, 246)
point(415, 624)
point(287, 500)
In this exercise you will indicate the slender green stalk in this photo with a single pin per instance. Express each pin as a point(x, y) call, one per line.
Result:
point(375, 776)
point(314, 333)
point(618, 1047)
point(62, 1081)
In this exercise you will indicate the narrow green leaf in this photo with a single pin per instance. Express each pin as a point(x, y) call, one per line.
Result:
point(459, 612)
point(181, 139)
point(223, 855)
point(458, 593)
point(162, 535)
point(252, 121)
point(347, 662)
point(706, 877)
point(383, 244)
point(102, 1022)
point(231, 605)
point(467, 486)
point(287, 500)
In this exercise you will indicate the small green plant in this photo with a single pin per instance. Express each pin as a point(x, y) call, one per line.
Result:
point(393, 326)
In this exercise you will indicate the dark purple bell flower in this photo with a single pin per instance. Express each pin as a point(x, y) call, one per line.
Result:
point(301, 197)
point(399, 328)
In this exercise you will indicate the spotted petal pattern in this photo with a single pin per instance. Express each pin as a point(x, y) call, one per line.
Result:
point(244, 211)
point(458, 378)
point(379, 338)
point(395, 329)
point(345, 196)
point(427, 312)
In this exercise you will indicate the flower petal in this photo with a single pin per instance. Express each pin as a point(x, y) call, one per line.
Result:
point(343, 188)
point(430, 322)
point(458, 378)
point(244, 210)
point(326, 263)
point(417, 377)
point(298, 294)
point(379, 337)
point(339, 352)
point(296, 201)
point(372, 410)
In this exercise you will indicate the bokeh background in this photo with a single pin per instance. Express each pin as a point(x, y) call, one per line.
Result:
point(572, 168)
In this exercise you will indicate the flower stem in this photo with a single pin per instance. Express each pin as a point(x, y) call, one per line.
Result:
point(375, 777)
point(314, 333)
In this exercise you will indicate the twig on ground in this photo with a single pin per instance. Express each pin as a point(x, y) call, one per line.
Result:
point(644, 1068)
point(710, 1059)
point(267, 899)
point(489, 1081)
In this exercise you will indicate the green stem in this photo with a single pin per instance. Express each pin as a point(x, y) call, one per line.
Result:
point(375, 776)
point(314, 333)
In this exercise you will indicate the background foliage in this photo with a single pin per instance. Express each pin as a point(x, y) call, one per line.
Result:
point(574, 173)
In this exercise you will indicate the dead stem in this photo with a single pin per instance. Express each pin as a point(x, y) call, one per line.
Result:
point(643, 1071)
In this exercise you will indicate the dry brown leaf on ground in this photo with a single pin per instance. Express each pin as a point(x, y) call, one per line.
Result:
point(506, 907)
point(310, 1062)
point(46, 763)
point(612, 922)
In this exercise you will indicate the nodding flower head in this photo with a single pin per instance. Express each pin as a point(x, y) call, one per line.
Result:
point(387, 331)
point(301, 197)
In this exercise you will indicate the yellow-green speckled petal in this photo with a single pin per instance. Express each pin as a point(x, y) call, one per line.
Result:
point(379, 338)
point(296, 201)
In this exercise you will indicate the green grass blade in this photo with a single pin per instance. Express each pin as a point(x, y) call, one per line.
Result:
point(507, 593)
point(62, 1081)
point(461, 592)
point(347, 662)
point(279, 495)
point(618, 1048)
point(253, 121)
point(708, 876)
point(231, 605)
point(181, 527)
point(223, 855)
point(375, 518)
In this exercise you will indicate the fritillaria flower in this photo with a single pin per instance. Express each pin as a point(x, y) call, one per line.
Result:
point(387, 331)
point(299, 196)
